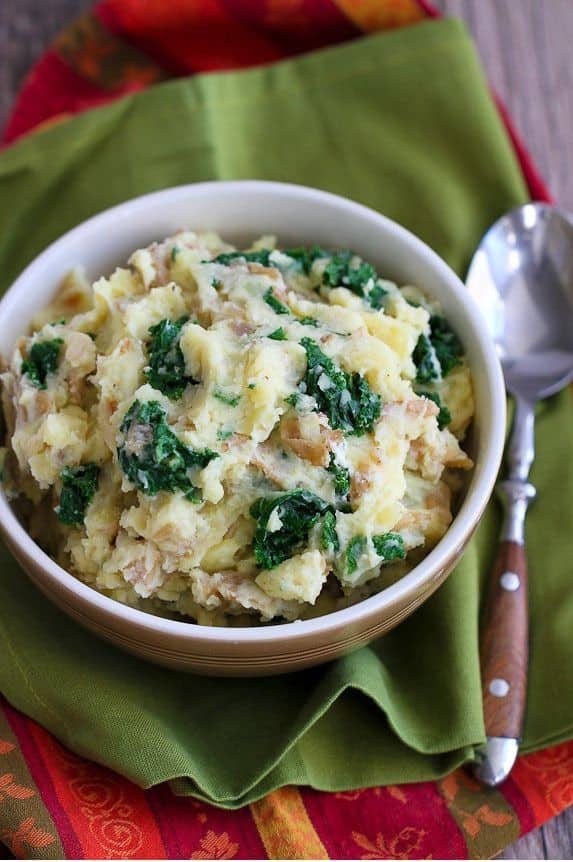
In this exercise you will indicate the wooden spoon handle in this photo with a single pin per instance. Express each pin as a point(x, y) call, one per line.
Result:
point(504, 644)
point(504, 641)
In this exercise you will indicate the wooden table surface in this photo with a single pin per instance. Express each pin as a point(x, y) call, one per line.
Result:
point(526, 49)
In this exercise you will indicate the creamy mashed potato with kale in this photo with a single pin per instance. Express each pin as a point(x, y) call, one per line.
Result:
point(237, 436)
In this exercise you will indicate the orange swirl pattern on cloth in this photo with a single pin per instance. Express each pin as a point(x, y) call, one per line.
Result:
point(113, 819)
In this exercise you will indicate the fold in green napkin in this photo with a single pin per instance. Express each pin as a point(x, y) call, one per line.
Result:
point(402, 122)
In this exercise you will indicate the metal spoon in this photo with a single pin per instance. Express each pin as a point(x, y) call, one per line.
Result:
point(522, 278)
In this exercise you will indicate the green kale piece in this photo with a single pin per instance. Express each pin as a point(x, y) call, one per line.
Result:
point(278, 335)
point(305, 257)
point(299, 511)
point(341, 477)
point(309, 321)
point(446, 343)
point(376, 296)
point(174, 252)
point(389, 546)
point(435, 356)
point(274, 303)
point(354, 551)
point(346, 399)
point(444, 416)
point(261, 256)
point(426, 361)
point(226, 397)
point(223, 434)
point(329, 540)
point(79, 485)
point(340, 272)
point(152, 456)
point(166, 369)
point(293, 399)
point(42, 360)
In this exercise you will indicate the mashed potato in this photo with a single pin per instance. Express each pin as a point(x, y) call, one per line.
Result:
point(234, 436)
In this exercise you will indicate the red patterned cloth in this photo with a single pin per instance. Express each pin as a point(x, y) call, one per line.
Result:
point(54, 804)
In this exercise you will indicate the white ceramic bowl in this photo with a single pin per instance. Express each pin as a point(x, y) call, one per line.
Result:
point(240, 211)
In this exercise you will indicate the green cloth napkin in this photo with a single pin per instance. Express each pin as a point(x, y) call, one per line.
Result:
point(402, 122)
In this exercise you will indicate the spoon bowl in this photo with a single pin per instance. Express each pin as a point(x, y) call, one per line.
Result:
point(522, 278)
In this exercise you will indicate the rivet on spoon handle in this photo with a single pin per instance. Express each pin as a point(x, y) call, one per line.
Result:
point(504, 632)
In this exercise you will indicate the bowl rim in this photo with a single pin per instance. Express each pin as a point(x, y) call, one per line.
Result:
point(437, 560)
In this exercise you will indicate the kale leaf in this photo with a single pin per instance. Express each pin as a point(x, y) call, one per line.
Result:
point(341, 477)
point(309, 321)
point(329, 540)
point(435, 356)
point(298, 510)
point(228, 398)
point(444, 416)
point(42, 360)
point(260, 256)
point(389, 546)
point(79, 485)
point(152, 456)
point(305, 257)
point(278, 335)
point(346, 399)
point(340, 271)
point(426, 362)
point(446, 343)
point(274, 303)
point(343, 271)
point(166, 370)
point(354, 550)
point(293, 399)
point(376, 297)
